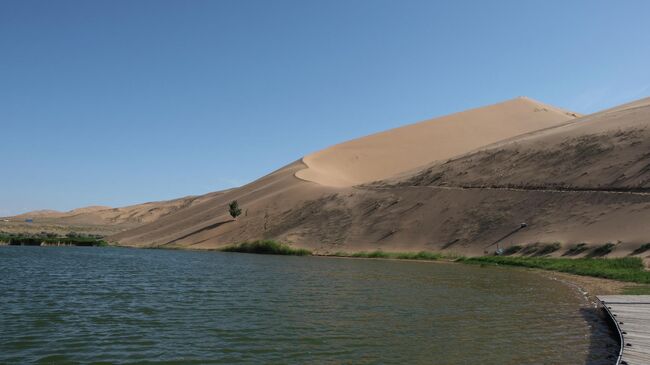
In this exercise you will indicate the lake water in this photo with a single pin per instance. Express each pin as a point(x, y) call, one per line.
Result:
point(115, 305)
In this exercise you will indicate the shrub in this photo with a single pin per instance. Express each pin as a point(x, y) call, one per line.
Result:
point(378, 254)
point(602, 250)
point(49, 238)
point(422, 255)
point(530, 249)
point(548, 249)
point(576, 250)
point(512, 250)
point(233, 209)
point(643, 248)
point(268, 247)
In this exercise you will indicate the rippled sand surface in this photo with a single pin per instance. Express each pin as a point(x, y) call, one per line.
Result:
point(113, 305)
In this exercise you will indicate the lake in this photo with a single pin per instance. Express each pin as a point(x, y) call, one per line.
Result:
point(63, 305)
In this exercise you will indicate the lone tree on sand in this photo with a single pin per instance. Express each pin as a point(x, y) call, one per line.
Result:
point(233, 209)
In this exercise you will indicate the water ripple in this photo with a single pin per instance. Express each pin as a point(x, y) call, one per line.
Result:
point(109, 305)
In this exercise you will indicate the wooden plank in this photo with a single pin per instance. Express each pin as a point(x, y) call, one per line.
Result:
point(624, 299)
point(631, 314)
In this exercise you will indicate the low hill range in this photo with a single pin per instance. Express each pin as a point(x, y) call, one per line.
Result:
point(101, 220)
point(518, 172)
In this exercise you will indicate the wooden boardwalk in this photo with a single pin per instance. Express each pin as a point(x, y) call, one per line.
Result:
point(631, 314)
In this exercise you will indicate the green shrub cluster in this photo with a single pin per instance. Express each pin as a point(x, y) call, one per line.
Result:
point(379, 254)
point(512, 250)
point(538, 249)
point(548, 249)
point(52, 239)
point(576, 250)
point(643, 248)
point(602, 250)
point(267, 247)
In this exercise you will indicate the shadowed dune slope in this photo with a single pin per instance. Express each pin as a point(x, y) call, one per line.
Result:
point(276, 204)
point(587, 181)
point(571, 180)
point(609, 150)
point(382, 155)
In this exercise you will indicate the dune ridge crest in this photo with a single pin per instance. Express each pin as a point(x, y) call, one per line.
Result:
point(388, 153)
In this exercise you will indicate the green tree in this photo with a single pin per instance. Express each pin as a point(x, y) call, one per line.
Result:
point(233, 209)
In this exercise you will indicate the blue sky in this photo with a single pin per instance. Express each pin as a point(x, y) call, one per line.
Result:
point(122, 102)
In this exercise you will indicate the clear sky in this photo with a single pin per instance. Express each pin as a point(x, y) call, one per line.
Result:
point(122, 102)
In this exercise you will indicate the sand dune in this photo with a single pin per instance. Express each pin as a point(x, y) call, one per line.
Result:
point(458, 183)
point(48, 213)
point(382, 155)
point(274, 203)
point(98, 219)
point(585, 181)
point(208, 223)
point(609, 150)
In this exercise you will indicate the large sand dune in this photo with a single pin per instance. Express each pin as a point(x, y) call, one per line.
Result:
point(609, 150)
point(335, 169)
point(382, 155)
point(458, 183)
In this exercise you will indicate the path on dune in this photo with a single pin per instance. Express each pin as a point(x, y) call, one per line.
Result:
point(628, 191)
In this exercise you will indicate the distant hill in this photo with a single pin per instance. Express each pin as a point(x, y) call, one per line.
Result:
point(97, 219)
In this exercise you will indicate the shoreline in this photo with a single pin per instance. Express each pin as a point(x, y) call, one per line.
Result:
point(586, 288)
point(586, 284)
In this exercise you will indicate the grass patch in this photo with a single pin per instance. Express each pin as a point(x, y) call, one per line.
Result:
point(379, 254)
point(267, 247)
point(576, 250)
point(637, 290)
point(643, 248)
point(602, 250)
point(624, 269)
point(422, 255)
point(51, 239)
point(372, 254)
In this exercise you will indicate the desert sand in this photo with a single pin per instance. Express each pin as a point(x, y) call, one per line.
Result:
point(456, 183)
point(385, 154)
